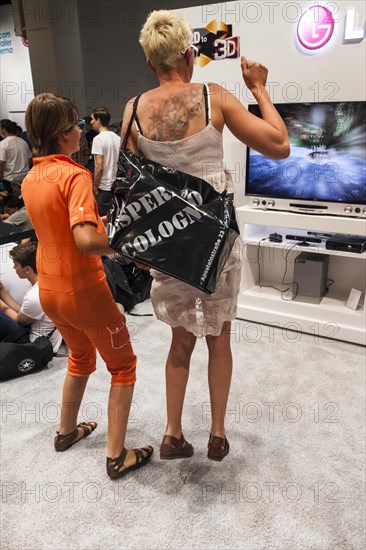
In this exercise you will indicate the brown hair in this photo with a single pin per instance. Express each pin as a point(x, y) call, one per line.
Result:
point(25, 254)
point(102, 114)
point(8, 125)
point(47, 117)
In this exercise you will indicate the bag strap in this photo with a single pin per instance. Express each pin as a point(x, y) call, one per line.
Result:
point(133, 116)
point(50, 333)
point(206, 94)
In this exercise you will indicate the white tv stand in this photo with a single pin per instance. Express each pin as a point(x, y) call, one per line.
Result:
point(329, 319)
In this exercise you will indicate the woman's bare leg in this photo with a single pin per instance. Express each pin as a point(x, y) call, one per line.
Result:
point(72, 395)
point(177, 373)
point(119, 404)
point(219, 377)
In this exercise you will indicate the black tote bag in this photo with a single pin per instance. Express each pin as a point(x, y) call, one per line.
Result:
point(169, 220)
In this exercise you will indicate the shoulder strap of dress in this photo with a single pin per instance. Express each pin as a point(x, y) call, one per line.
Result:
point(206, 93)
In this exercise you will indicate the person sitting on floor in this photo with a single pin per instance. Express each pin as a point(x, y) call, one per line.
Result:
point(16, 287)
point(16, 189)
point(30, 313)
point(9, 205)
point(15, 213)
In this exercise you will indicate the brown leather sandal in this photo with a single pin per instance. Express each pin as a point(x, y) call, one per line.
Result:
point(116, 467)
point(218, 448)
point(172, 447)
point(64, 442)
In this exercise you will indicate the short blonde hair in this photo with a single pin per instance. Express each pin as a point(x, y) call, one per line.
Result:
point(164, 36)
point(46, 117)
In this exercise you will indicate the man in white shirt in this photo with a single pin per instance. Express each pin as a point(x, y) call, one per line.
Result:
point(15, 155)
point(105, 148)
point(15, 286)
point(30, 313)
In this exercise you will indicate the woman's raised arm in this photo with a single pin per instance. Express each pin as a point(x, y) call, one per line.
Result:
point(267, 135)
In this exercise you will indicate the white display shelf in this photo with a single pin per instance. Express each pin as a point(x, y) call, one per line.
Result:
point(313, 222)
point(331, 318)
point(333, 304)
point(286, 244)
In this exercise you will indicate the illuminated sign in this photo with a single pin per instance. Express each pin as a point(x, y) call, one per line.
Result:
point(315, 28)
point(351, 34)
point(215, 43)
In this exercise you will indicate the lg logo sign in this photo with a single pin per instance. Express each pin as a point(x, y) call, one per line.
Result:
point(316, 27)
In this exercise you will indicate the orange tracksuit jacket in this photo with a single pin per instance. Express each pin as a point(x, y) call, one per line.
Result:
point(73, 289)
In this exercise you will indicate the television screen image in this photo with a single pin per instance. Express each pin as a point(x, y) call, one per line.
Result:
point(327, 161)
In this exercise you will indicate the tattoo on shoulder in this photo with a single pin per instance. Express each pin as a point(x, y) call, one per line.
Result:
point(170, 119)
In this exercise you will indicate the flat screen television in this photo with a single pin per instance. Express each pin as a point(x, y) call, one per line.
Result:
point(326, 170)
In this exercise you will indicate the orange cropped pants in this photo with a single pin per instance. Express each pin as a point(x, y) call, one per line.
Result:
point(90, 320)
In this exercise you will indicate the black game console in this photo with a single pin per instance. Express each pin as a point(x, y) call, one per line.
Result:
point(346, 243)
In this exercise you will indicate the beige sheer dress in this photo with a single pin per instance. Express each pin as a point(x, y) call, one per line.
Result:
point(176, 303)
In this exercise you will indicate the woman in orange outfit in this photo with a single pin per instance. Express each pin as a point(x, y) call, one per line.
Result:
point(72, 284)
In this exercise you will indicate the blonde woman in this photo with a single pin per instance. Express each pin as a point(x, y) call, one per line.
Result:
point(180, 124)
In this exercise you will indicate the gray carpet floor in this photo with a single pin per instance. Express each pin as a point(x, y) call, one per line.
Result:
point(294, 478)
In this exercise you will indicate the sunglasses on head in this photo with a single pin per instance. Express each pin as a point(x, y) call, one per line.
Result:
point(195, 50)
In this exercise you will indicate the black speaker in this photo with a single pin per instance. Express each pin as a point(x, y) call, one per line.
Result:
point(310, 277)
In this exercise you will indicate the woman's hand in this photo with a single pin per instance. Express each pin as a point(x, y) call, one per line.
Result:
point(254, 74)
point(142, 266)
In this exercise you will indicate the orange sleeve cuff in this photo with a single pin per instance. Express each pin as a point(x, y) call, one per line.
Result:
point(83, 216)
